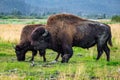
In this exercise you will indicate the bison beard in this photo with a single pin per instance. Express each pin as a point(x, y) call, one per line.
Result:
point(65, 31)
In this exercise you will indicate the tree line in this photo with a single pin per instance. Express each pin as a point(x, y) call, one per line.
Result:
point(19, 15)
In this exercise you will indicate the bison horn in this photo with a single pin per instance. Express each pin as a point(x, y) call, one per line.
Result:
point(45, 33)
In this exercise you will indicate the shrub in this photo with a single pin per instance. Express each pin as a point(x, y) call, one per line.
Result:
point(116, 18)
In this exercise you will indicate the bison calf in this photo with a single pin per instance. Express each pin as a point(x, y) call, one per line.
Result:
point(25, 44)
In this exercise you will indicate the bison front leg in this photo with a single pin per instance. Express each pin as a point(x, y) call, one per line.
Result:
point(68, 52)
point(42, 53)
point(56, 59)
point(34, 52)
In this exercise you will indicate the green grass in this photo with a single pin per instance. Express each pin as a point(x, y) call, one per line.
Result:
point(82, 65)
point(23, 21)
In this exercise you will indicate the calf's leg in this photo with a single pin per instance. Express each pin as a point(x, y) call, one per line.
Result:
point(34, 52)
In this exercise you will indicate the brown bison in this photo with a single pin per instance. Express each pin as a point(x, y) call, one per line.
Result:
point(63, 31)
point(25, 44)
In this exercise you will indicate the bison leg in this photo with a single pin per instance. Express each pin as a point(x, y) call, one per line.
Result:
point(42, 53)
point(99, 49)
point(101, 45)
point(68, 52)
point(107, 51)
point(56, 59)
point(34, 52)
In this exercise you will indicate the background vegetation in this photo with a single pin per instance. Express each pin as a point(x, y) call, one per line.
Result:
point(116, 18)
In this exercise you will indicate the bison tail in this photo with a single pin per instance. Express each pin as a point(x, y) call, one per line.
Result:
point(110, 41)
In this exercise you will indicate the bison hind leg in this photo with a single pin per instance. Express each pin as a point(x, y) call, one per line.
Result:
point(107, 51)
point(100, 51)
point(102, 44)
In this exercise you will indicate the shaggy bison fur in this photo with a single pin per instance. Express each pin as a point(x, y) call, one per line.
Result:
point(63, 31)
point(25, 44)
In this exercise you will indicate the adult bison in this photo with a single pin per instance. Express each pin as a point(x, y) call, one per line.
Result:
point(25, 44)
point(63, 31)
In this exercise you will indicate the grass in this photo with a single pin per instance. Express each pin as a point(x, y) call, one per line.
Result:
point(82, 65)
point(23, 21)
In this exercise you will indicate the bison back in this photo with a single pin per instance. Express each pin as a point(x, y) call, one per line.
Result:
point(26, 32)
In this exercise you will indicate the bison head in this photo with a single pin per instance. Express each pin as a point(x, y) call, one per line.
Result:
point(40, 38)
point(20, 53)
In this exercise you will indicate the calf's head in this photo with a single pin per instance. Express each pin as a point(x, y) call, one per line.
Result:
point(40, 38)
point(20, 53)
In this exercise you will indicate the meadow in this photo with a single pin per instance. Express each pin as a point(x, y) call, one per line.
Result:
point(82, 65)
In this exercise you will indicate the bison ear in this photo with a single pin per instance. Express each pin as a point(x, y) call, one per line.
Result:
point(45, 33)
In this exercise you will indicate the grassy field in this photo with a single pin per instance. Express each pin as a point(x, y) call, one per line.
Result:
point(82, 66)
point(22, 21)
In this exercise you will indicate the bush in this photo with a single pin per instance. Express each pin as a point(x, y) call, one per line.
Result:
point(116, 18)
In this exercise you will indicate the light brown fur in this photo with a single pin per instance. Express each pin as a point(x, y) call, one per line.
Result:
point(64, 23)
point(26, 32)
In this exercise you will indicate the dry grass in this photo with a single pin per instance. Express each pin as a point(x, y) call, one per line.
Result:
point(115, 33)
point(11, 77)
point(68, 75)
point(10, 32)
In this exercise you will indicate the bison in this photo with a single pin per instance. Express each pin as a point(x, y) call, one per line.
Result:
point(63, 31)
point(25, 44)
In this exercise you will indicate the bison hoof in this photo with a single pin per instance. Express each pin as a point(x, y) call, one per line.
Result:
point(30, 60)
point(54, 61)
point(32, 64)
point(64, 61)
